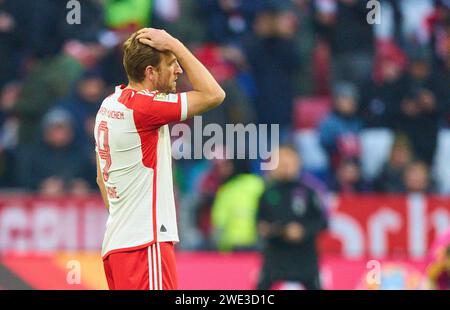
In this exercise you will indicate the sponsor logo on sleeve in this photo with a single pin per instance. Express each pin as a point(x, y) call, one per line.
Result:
point(166, 97)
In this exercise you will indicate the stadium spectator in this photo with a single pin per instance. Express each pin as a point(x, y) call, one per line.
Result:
point(9, 123)
point(390, 178)
point(14, 25)
point(132, 14)
point(8, 135)
point(443, 74)
point(6, 168)
point(352, 40)
point(54, 165)
point(417, 179)
point(289, 217)
point(420, 75)
point(348, 178)
point(83, 103)
point(339, 131)
point(234, 209)
point(174, 15)
point(6, 155)
point(397, 20)
point(437, 30)
point(419, 121)
point(381, 94)
point(111, 66)
point(227, 20)
point(274, 60)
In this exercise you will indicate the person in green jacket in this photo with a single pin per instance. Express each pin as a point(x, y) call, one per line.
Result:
point(234, 210)
point(49, 81)
point(121, 14)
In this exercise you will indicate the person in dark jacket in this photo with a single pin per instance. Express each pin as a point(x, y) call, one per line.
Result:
point(419, 120)
point(289, 218)
point(55, 165)
point(14, 37)
point(339, 131)
point(82, 104)
point(351, 37)
point(274, 60)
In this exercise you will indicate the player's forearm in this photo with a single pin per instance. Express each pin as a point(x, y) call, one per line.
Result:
point(102, 188)
point(101, 183)
point(202, 81)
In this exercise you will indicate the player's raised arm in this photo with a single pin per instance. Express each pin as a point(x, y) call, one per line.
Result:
point(206, 93)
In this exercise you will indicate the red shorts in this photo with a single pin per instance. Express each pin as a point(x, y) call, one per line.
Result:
point(150, 268)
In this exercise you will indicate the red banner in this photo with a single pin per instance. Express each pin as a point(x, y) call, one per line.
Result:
point(385, 226)
point(29, 223)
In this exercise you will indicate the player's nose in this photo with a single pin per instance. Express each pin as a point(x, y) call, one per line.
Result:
point(178, 69)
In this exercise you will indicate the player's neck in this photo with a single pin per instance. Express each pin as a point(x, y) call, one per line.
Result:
point(140, 86)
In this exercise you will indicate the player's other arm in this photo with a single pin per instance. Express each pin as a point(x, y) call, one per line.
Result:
point(101, 184)
point(206, 93)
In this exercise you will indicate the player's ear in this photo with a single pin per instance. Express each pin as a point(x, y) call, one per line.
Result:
point(150, 72)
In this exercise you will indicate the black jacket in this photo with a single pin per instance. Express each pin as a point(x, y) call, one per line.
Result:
point(280, 204)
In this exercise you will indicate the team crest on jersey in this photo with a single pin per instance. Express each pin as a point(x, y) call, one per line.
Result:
point(166, 97)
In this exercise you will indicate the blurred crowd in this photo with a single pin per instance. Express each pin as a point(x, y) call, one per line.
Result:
point(267, 55)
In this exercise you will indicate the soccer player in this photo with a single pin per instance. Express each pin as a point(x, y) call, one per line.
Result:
point(134, 170)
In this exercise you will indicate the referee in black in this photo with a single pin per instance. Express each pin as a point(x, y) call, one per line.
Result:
point(290, 217)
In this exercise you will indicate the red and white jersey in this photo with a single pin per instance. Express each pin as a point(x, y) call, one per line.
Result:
point(133, 144)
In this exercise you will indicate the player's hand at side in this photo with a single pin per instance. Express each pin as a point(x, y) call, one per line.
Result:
point(157, 38)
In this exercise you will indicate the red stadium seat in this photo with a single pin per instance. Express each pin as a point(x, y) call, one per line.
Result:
point(309, 111)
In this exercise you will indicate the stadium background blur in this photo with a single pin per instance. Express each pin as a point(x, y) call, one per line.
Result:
point(366, 106)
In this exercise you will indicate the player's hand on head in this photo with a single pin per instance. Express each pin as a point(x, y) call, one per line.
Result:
point(156, 38)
